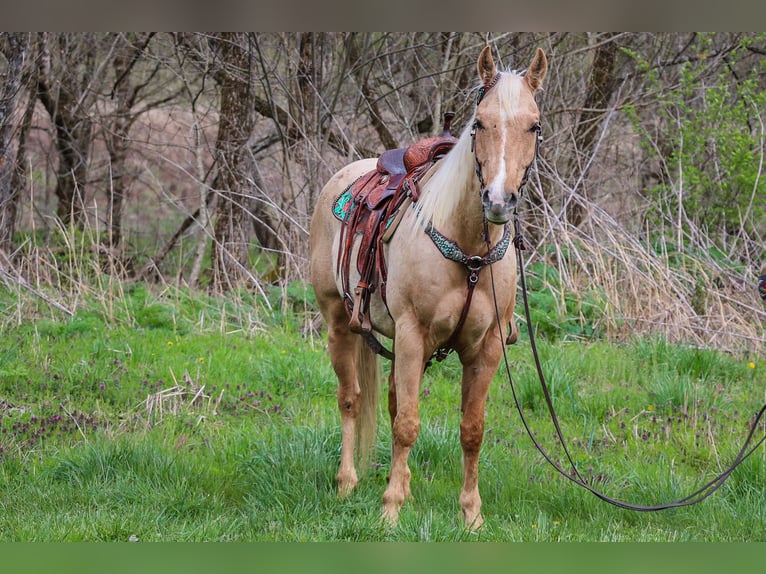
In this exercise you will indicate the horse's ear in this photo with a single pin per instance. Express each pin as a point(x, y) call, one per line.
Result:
point(486, 65)
point(537, 70)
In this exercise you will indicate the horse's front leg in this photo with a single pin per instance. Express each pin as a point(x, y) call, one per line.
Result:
point(478, 371)
point(404, 387)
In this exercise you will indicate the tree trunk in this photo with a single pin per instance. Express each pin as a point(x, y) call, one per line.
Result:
point(599, 90)
point(117, 142)
point(234, 162)
point(15, 53)
point(66, 90)
point(72, 144)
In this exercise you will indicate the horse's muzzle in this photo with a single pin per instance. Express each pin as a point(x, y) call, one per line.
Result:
point(498, 212)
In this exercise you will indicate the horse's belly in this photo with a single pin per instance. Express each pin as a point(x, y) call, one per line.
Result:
point(381, 320)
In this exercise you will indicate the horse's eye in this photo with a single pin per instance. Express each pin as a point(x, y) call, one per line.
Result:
point(536, 128)
point(478, 125)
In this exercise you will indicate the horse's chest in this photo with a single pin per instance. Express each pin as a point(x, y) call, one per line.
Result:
point(448, 310)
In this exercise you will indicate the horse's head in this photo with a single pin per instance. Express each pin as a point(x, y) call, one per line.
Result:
point(505, 132)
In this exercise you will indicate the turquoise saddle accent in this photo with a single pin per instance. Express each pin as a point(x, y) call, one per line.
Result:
point(342, 206)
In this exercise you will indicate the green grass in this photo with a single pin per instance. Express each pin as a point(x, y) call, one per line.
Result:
point(185, 418)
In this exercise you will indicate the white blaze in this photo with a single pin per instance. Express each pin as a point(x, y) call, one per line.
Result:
point(496, 191)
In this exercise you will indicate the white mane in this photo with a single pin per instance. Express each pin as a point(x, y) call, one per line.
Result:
point(443, 188)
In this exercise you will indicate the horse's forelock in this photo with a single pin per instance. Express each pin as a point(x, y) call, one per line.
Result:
point(509, 89)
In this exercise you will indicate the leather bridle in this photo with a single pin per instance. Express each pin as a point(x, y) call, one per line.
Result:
point(537, 129)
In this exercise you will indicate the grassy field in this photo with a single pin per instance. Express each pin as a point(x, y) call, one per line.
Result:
point(167, 416)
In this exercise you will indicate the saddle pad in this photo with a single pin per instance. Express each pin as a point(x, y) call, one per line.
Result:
point(341, 209)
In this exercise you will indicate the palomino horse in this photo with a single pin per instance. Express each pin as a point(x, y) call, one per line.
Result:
point(468, 198)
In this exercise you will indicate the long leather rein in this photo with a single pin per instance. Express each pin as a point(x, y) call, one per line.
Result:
point(574, 474)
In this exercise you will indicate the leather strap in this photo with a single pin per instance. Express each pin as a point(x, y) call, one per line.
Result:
point(574, 475)
point(473, 264)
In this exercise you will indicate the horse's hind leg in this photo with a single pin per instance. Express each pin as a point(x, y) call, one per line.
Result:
point(342, 345)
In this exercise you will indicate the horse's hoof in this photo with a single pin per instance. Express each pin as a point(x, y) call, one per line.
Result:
point(390, 517)
point(475, 523)
point(346, 485)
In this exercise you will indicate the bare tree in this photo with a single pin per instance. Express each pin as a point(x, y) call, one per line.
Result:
point(233, 182)
point(129, 83)
point(71, 71)
point(15, 47)
point(356, 45)
point(598, 92)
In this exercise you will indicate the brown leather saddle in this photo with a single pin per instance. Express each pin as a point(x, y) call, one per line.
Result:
point(372, 207)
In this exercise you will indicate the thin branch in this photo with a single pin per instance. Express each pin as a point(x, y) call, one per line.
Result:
point(10, 277)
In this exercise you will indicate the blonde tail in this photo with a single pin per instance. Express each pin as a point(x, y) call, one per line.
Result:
point(368, 374)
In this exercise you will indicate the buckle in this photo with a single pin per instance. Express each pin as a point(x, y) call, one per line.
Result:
point(475, 263)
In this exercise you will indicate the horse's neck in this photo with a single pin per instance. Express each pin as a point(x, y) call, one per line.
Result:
point(467, 225)
point(465, 221)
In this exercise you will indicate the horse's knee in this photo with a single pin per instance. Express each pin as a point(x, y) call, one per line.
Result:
point(406, 430)
point(471, 435)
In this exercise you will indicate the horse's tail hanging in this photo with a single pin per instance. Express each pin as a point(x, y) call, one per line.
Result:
point(368, 375)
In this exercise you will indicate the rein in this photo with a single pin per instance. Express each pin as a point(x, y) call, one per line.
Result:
point(574, 474)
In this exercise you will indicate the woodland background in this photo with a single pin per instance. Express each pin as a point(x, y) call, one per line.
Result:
point(194, 160)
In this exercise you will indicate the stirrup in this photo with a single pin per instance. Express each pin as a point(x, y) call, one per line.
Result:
point(360, 321)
